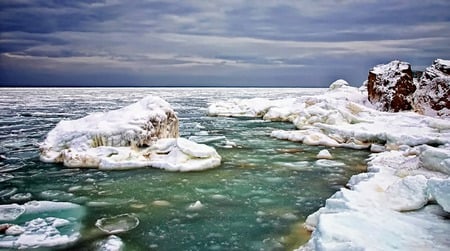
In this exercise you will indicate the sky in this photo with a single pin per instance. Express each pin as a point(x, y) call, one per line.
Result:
point(303, 43)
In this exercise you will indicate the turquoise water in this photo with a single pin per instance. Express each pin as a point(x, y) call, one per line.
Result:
point(256, 200)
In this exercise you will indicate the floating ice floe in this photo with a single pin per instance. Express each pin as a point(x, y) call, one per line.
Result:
point(117, 224)
point(392, 205)
point(27, 228)
point(143, 134)
point(112, 243)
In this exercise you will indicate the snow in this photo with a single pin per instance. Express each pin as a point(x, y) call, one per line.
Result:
point(389, 206)
point(143, 134)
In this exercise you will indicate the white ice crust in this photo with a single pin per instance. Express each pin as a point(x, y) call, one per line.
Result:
point(32, 233)
point(143, 134)
point(387, 208)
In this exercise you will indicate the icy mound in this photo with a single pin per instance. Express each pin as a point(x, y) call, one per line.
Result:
point(130, 137)
point(29, 229)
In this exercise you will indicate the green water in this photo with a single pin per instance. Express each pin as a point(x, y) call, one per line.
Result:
point(256, 200)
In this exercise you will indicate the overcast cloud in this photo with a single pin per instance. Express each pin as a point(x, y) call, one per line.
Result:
point(223, 42)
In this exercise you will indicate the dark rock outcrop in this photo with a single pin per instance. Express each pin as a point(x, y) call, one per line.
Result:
point(391, 86)
point(433, 94)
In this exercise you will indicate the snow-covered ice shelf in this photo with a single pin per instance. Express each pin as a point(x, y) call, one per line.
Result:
point(402, 201)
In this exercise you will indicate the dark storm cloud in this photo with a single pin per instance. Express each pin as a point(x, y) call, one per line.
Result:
point(215, 42)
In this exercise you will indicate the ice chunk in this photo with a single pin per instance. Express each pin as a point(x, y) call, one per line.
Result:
point(14, 230)
point(30, 231)
point(324, 154)
point(161, 203)
point(37, 233)
point(184, 156)
point(143, 134)
point(112, 243)
point(139, 124)
point(117, 224)
point(437, 159)
point(10, 212)
point(409, 193)
point(195, 206)
point(439, 189)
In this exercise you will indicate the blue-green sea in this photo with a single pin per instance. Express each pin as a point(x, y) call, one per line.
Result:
point(256, 200)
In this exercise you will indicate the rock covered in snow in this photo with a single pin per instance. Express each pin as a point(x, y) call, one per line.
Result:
point(143, 134)
point(432, 95)
point(390, 86)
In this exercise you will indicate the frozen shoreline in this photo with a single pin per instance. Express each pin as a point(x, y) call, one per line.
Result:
point(407, 183)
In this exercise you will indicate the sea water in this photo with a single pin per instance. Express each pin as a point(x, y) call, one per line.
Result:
point(256, 200)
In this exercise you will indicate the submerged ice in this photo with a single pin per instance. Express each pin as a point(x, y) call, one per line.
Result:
point(143, 134)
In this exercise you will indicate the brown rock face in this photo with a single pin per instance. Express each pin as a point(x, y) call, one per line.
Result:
point(390, 86)
point(433, 94)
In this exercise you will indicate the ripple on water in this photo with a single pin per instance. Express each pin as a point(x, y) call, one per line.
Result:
point(5, 176)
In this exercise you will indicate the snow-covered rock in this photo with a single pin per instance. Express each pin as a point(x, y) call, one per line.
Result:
point(390, 86)
point(432, 95)
point(143, 134)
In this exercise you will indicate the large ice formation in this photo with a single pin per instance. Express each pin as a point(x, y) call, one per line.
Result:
point(400, 202)
point(143, 134)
